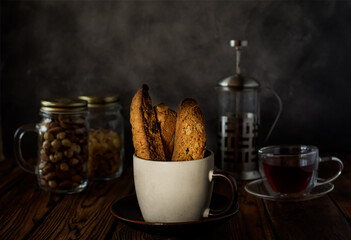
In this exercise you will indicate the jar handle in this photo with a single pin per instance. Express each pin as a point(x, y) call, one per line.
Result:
point(24, 164)
point(278, 114)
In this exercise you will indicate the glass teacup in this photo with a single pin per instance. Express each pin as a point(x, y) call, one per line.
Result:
point(292, 170)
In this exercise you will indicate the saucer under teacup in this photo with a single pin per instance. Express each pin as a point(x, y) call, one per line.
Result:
point(260, 188)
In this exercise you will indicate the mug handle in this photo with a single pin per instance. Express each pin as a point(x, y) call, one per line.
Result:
point(215, 174)
point(341, 167)
point(24, 164)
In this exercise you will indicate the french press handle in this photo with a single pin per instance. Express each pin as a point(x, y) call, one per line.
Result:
point(280, 103)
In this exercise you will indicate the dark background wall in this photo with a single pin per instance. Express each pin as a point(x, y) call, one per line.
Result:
point(180, 49)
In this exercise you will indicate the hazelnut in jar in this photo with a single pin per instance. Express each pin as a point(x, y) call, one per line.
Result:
point(106, 149)
point(63, 145)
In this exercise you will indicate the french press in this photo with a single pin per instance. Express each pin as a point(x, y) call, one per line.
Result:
point(239, 120)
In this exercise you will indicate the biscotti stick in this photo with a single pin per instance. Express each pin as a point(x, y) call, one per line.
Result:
point(166, 119)
point(190, 135)
point(146, 133)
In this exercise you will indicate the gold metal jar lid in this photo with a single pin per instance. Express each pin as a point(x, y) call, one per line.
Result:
point(63, 105)
point(101, 100)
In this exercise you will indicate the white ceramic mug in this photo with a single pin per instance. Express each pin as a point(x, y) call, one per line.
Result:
point(178, 191)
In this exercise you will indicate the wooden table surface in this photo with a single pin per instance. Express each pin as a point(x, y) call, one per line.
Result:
point(27, 212)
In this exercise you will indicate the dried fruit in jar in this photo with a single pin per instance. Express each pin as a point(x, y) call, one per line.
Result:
point(104, 153)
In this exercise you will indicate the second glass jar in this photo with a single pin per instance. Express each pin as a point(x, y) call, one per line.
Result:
point(106, 135)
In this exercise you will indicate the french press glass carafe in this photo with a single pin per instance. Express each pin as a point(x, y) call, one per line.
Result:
point(239, 120)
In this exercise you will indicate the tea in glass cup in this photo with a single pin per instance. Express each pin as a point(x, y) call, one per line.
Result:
point(293, 169)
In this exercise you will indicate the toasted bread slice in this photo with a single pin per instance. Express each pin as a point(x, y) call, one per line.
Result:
point(190, 134)
point(146, 132)
point(166, 119)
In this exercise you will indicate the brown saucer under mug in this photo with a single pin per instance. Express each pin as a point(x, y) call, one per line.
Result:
point(127, 210)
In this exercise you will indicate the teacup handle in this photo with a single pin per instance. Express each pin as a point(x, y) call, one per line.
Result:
point(341, 167)
point(215, 174)
point(25, 165)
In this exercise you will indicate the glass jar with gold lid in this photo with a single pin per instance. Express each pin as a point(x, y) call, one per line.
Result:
point(106, 136)
point(62, 164)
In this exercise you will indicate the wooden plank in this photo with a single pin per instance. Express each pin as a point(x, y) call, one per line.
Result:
point(85, 215)
point(252, 221)
point(319, 218)
point(314, 219)
point(23, 208)
point(11, 174)
point(10, 177)
point(124, 232)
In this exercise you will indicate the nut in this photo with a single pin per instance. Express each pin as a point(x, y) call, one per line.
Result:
point(58, 156)
point(73, 161)
point(46, 145)
point(61, 135)
point(77, 178)
point(66, 142)
point(52, 184)
point(78, 120)
point(48, 136)
point(52, 158)
point(47, 169)
point(81, 131)
point(80, 158)
point(76, 148)
point(76, 139)
point(53, 124)
point(64, 166)
point(42, 165)
point(56, 144)
point(50, 176)
point(55, 130)
point(65, 184)
point(65, 124)
point(43, 156)
point(68, 153)
point(43, 182)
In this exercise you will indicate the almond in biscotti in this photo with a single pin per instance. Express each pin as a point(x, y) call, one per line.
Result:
point(190, 135)
point(145, 130)
point(166, 119)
